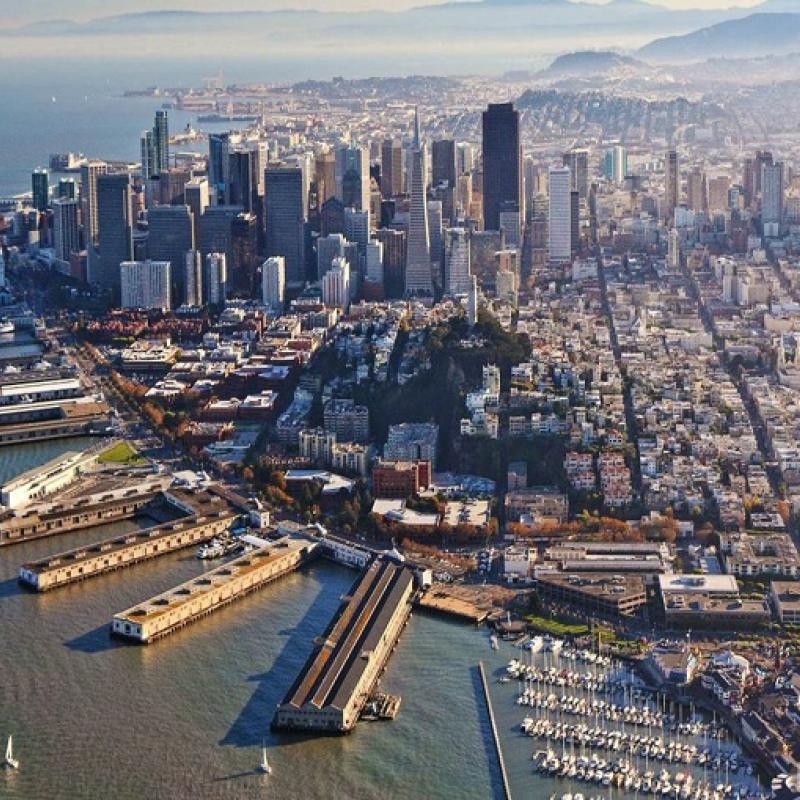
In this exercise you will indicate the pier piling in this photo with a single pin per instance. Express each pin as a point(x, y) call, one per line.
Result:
point(495, 735)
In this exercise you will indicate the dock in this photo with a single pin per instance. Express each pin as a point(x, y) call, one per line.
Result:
point(161, 615)
point(443, 603)
point(339, 677)
point(49, 519)
point(119, 552)
point(495, 735)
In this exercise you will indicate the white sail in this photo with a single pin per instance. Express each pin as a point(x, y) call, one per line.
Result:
point(10, 749)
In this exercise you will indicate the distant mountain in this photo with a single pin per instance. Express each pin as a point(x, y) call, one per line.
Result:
point(755, 35)
point(587, 63)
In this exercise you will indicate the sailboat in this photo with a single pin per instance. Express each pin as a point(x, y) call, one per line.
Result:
point(10, 762)
point(264, 765)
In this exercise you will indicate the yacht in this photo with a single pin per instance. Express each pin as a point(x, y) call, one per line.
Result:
point(10, 762)
point(6, 325)
point(211, 550)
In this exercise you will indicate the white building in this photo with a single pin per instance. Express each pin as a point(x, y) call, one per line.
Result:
point(336, 285)
point(273, 283)
point(145, 284)
point(560, 227)
point(375, 261)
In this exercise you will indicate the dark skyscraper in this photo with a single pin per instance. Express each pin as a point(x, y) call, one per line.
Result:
point(218, 148)
point(502, 174)
point(114, 228)
point(40, 185)
point(391, 167)
point(171, 236)
point(241, 188)
point(444, 163)
point(285, 219)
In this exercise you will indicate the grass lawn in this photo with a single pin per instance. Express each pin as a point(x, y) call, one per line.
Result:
point(121, 453)
point(556, 628)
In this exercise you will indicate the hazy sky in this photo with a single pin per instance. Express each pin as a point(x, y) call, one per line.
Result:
point(19, 13)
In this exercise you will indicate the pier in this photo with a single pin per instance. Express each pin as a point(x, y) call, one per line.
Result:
point(48, 519)
point(495, 735)
point(339, 677)
point(189, 602)
point(123, 551)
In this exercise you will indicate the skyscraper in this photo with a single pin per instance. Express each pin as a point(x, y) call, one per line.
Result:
point(66, 235)
point(114, 228)
point(285, 220)
point(241, 188)
point(578, 162)
point(772, 194)
point(273, 283)
point(196, 197)
point(457, 261)
point(170, 238)
point(215, 279)
point(89, 175)
point(155, 147)
point(502, 173)
point(419, 279)
point(560, 220)
point(325, 176)
point(329, 248)
point(218, 149)
point(394, 259)
point(193, 278)
point(67, 188)
point(145, 284)
point(40, 185)
point(671, 184)
point(391, 168)
point(444, 162)
point(352, 177)
point(336, 285)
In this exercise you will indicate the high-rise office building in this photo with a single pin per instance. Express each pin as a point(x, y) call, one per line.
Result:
point(170, 237)
point(273, 283)
point(357, 230)
point(285, 220)
point(196, 196)
point(465, 158)
point(193, 278)
point(336, 285)
point(241, 187)
point(772, 193)
point(375, 261)
point(155, 147)
point(66, 233)
point(578, 162)
point(672, 179)
point(114, 228)
point(244, 261)
point(67, 189)
point(697, 191)
point(216, 230)
point(444, 162)
point(40, 185)
point(325, 176)
point(718, 193)
point(90, 172)
point(352, 177)
point(218, 164)
point(145, 284)
point(436, 238)
point(457, 275)
point(394, 259)
point(419, 279)
point(575, 221)
point(510, 225)
point(215, 279)
point(502, 172)
point(331, 217)
point(391, 168)
point(560, 215)
point(329, 248)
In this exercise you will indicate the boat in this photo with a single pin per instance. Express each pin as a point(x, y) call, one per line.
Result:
point(264, 765)
point(211, 550)
point(536, 644)
point(6, 325)
point(10, 762)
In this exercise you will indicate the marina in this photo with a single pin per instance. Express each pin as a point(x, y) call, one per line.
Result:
point(597, 725)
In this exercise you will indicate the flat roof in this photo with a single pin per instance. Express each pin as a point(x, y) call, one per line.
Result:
point(708, 584)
